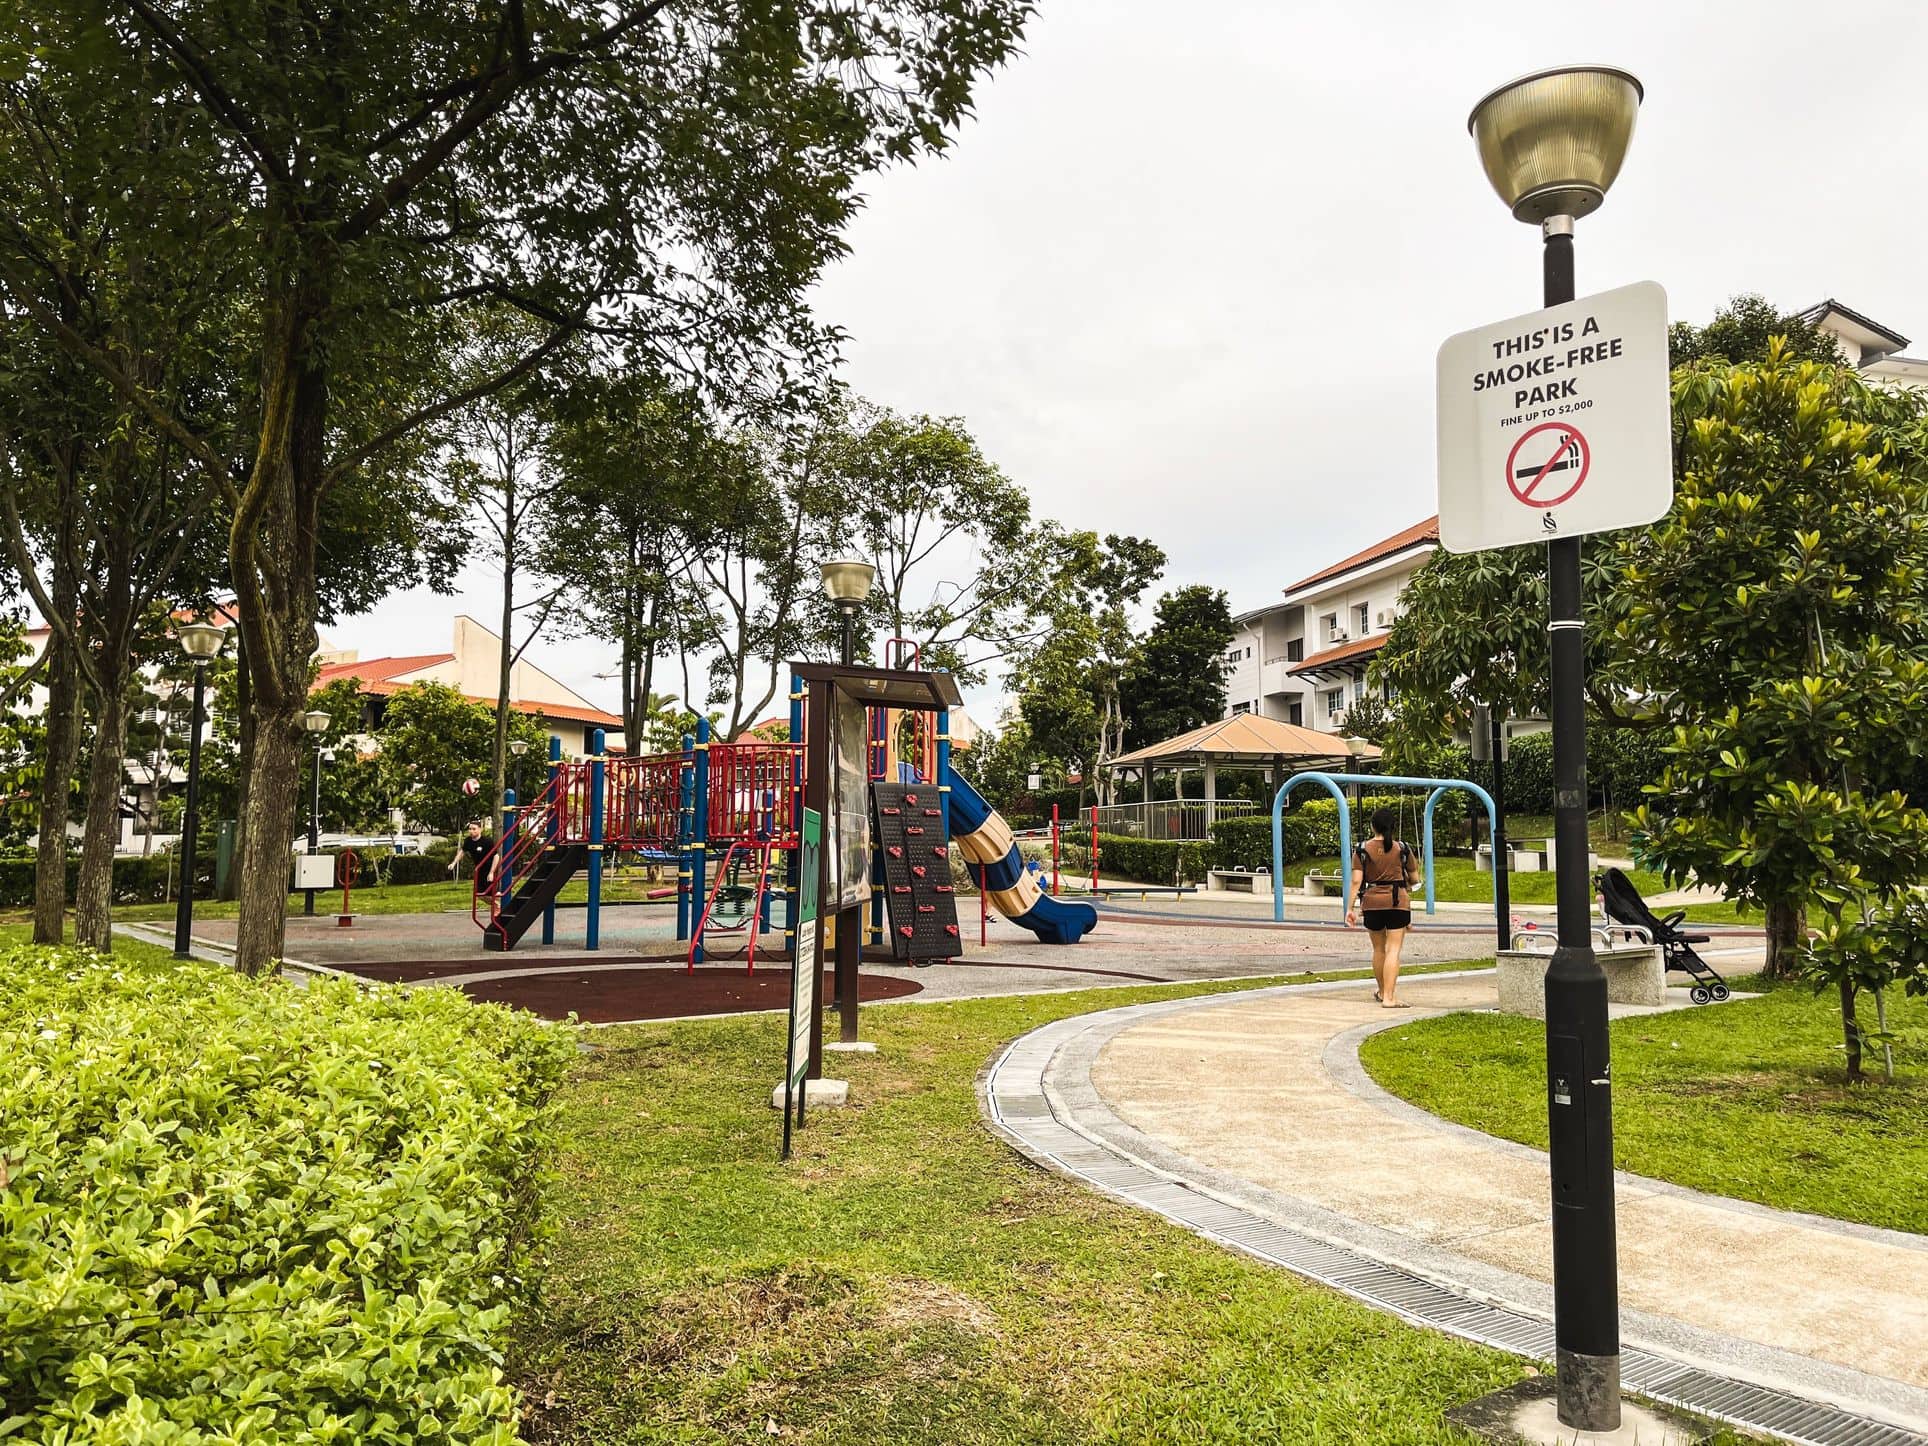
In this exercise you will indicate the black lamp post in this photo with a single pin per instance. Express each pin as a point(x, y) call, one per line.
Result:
point(1551, 144)
point(201, 642)
point(316, 724)
point(517, 747)
point(847, 583)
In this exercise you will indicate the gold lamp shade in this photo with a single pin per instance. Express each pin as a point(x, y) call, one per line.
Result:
point(201, 641)
point(847, 581)
point(1552, 142)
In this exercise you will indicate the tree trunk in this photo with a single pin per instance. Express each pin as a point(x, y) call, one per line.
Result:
point(1786, 937)
point(267, 833)
point(505, 656)
point(94, 892)
point(56, 779)
point(1851, 1031)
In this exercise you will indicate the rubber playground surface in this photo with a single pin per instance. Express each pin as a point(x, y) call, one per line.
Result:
point(639, 971)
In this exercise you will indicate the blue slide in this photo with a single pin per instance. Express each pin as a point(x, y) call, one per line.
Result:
point(996, 866)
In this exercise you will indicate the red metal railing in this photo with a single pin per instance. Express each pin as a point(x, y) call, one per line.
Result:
point(538, 823)
point(640, 804)
point(751, 797)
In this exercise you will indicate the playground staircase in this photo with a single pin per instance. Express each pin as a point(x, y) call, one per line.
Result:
point(534, 892)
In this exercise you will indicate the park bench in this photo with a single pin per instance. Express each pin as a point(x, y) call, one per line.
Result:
point(1235, 881)
point(1320, 886)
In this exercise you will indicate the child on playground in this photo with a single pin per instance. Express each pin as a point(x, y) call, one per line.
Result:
point(1383, 874)
point(474, 847)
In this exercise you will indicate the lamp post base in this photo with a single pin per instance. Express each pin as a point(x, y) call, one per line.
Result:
point(1526, 1415)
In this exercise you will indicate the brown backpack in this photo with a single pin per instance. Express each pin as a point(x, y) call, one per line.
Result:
point(1385, 876)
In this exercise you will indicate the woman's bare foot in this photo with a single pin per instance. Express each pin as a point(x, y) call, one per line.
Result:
point(1394, 1004)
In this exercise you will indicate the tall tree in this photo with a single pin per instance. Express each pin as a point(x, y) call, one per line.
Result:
point(498, 474)
point(1069, 683)
point(1176, 678)
point(957, 557)
point(673, 174)
point(1775, 623)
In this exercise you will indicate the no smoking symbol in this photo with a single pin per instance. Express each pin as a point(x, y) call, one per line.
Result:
point(1548, 464)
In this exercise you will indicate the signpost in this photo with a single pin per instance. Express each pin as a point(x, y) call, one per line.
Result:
point(803, 976)
point(1555, 424)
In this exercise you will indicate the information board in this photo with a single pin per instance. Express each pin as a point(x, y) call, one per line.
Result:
point(1556, 423)
point(803, 973)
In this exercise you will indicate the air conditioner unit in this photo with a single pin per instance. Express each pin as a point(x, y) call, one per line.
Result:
point(1339, 635)
point(1385, 617)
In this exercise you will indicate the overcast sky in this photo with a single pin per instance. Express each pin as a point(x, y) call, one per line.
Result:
point(1185, 274)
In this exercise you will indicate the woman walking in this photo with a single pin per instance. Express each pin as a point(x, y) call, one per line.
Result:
point(1383, 875)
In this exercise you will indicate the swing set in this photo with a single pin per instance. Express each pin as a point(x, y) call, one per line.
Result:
point(1332, 782)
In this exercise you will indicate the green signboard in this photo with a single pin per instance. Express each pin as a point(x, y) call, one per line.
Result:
point(803, 973)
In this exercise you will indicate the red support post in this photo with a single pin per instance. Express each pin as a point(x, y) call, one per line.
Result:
point(1054, 850)
point(983, 912)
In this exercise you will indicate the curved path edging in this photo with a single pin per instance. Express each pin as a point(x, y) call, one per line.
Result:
point(1038, 1095)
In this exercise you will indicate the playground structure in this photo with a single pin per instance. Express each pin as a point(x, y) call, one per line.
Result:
point(1332, 782)
point(728, 816)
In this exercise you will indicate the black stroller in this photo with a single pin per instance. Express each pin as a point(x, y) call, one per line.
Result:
point(1623, 905)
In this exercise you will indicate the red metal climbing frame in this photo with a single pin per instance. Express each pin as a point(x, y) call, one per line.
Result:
point(753, 810)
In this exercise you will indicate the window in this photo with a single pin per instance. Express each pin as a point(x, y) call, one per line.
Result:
point(1241, 707)
point(1335, 702)
point(1295, 713)
point(1233, 656)
point(1330, 625)
point(1295, 651)
point(1358, 689)
point(1364, 614)
point(1248, 650)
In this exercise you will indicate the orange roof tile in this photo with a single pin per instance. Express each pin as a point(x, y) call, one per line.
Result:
point(569, 712)
point(378, 670)
point(1343, 653)
point(1427, 531)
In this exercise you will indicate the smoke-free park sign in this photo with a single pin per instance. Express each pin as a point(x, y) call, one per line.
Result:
point(1556, 423)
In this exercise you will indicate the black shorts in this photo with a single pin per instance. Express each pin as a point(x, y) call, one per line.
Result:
point(1377, 920)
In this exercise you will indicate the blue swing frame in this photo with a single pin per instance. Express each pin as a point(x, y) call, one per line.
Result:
point(1330, 782)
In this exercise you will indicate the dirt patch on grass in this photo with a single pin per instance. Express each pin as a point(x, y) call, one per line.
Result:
point(912, 1303)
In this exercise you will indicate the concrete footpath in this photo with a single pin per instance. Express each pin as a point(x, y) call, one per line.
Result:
point(1258, 1103)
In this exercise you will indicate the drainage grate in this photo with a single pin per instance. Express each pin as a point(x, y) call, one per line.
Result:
point(1018, 1107)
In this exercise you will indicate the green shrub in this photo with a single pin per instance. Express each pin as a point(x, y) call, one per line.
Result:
point(1311, 829)
point(146, 880)
point(1151, 860)
point(239, 1210)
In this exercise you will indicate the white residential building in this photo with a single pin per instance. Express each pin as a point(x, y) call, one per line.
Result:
point(1304, 658)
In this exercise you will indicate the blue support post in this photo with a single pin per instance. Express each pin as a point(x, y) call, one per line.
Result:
point(504, 864)
point(598, 771)
point(685, 832)
point(944, 766)
point(554, 832)
point(793, 877)
point(700, 833)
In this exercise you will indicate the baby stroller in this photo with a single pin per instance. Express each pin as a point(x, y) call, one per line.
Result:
point(1623, 905)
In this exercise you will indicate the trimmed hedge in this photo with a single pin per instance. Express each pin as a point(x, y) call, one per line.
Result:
point(136, 880)
point(1311, 829)
point(1152, 860)
point(237, 1210)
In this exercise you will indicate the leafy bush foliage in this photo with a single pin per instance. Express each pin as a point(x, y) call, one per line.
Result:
point(1311, 829)
point(1151, 860)
point(136, 880)
point(236, 1210)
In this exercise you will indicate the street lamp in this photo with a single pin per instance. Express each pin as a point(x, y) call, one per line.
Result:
point(847, 583)
point(1552, 143)
point(201, 642)
point(518, 747)
point(316, 723)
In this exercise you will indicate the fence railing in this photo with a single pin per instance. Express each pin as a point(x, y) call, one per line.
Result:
point(1190, 818)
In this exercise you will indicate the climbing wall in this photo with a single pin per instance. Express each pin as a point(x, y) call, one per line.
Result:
point(919, 900)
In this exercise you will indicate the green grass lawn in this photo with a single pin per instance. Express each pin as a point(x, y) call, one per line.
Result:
point(1746, 1099)
point(908, 1278)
